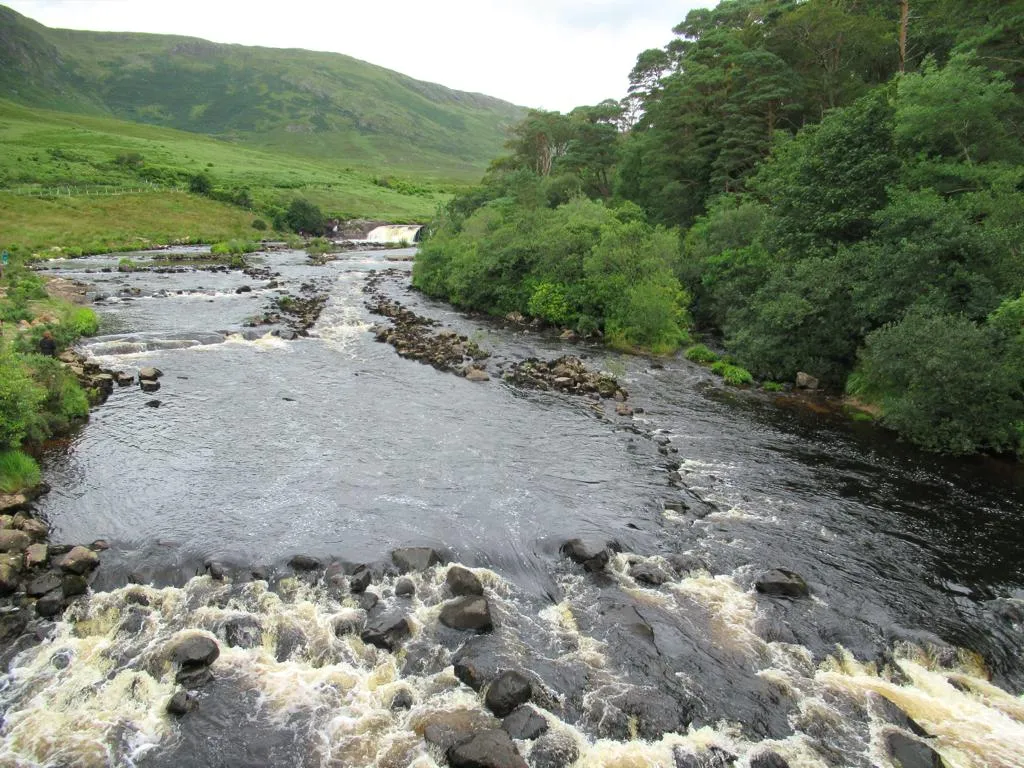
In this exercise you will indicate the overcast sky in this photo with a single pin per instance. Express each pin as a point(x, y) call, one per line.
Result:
point(554, 54)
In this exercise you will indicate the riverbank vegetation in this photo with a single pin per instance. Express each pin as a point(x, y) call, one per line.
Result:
point(828, 187)
point(39, 397)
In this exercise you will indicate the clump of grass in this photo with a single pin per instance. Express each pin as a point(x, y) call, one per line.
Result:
point(318, 246)
point(18, 472)
point(772, 386)
point(126, 265)
point(733, 375)
point(233, 248)
point(699, 353)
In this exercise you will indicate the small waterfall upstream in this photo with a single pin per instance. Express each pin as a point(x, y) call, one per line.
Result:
point(395, 234)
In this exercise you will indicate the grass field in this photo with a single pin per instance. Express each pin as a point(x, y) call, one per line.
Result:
point(44, 149)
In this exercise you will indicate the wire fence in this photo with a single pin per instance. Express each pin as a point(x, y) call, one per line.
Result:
point(73, 191)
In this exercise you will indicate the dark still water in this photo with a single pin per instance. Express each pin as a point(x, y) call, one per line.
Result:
point(335, 447)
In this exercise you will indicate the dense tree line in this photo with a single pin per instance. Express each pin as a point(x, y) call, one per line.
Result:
point(829, 186)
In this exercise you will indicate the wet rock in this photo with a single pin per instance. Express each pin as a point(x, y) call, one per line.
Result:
point(9, 579)
point(194, 650)
point(50, 604)
point(73, 585)
point(783, 583)
point(622, 409)
point(893, 714)
point(136, 597)
point(490, 749)
point(150, 374)
point(402, 700)
point(404, 587)
point(462, 581)
point(592, 555)
point(153, 403)
point(554, 750)
point(360, 580)
point(415, 558)
point(181, 703)
point(476, 374)
point(36, 530)
point(387, 632)
point(649, 573)
point(469, 612)
point(260, 573)
point(768, 760)
point(61, 660)
point(368, 601)
point(132, 623)
point(79, 560)
point(123, 379)
point(14, 541)
point(304, 563)
point(508, 691)
point(645, 712)
point(148, 385)
point(40, 585)
point(685, 564)
point(11, 502)
point(194, 677)
point(36, 555)
point(525, 723)
point(447, 729)
point(243, 289)
point(908, 752)
point(712, 757)
point(243, 632)
point(100, 545)
point(806, 381)
point(476, 662)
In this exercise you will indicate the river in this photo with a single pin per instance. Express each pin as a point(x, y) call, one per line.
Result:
point(335, 447)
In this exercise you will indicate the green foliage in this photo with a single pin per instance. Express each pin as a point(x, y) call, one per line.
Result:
point(18, 471)
point(259, 225)
point(234, 248)
point(772, 386)
point(305, 217)
point(20, 399)
point(733, 375)
point(582, 264)
point(65, 402)
point(124, 264)
point(945, 382)
point(319, 246)
point(200, 184)
point(699, 353)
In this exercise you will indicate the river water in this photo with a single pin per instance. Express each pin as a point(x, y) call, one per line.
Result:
point(335, 447)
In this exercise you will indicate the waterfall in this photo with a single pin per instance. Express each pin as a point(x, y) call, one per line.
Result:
point(395, 233)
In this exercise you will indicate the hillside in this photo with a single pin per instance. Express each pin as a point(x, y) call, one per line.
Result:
point(318, 105)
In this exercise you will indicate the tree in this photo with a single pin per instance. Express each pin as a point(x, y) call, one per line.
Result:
point(304, 217)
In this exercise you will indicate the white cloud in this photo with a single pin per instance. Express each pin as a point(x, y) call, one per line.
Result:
point(553, 54)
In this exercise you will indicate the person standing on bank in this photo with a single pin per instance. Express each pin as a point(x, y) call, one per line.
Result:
point(47, 346)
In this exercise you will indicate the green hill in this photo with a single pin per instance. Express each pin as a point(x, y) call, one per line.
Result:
point(319, 105)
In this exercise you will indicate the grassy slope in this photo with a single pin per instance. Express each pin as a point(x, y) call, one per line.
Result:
point(38, 147)
point(318, 105)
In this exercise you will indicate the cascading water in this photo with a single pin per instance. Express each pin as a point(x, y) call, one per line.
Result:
point(395, 233)
point(336, 448)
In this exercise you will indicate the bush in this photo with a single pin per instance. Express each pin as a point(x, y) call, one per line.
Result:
point(18, 472)
point(259, 225)
point(319, 246)
point(20, 399)
point(233, 248)
point(304, 217)
point(699, 353)
point(125, 264)
point(733, 375)
point(772, 386)
point(549, 303)
point(200, 184)
point(64, 404)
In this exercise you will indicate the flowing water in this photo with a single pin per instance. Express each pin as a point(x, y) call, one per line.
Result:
point(335, 447)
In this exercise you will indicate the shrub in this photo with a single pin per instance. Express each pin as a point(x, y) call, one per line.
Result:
point(233, 248)
point(733, 375)
point(18, 472)
point(126, 265)
point(64, 403)
point(20, 398)
point(304, 216)
point(699, 353)
point(259, 225)
point(319, 246)
point(200, 184)
point(549, 303)
point(772, 386)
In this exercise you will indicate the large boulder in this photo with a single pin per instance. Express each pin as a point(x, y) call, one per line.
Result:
point(243, 632)
point(415, 558)
point(36, 530)
point(525, 723)
point(469, 612)
point(73, 585)
point(40, 585)
point(405, 587)
point(462, 581)
point(489, 749)
point(768, 759)
point(36, 555)
point(387, 632)
point(194, 649)
point(712, 757)
point(649, 573)
point(446, 729)
point(149, 385)
point(14, 541)
point(304, 563)
point(782, 583)
point(150, 374)
point(360, 580)
point(508, 691)
point(79, 560)
point(806, 381)
point(592, 555)
point(50, 604)
point(181, 703)
point(891, 713)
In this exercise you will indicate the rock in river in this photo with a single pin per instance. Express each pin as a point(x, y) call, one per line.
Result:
point(469, 612)
point(592, 555)
point(780, 582)
point(462, 581)
point(387, 632)
point(79, 560)
point(150, 374)
point(13, 541)
point(194, 649)
point(489, 749)
point(508, 691)
point(415, 558)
